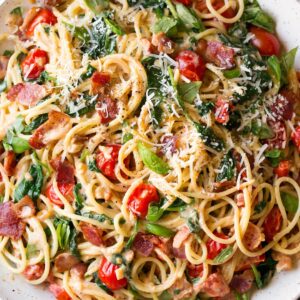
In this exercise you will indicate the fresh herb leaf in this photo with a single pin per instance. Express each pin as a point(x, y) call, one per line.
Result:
point(151, 160)
point(287, 62)
point(260, 206)
point(209, 138)
point(31, 251)
point(189, 91)
point(45, 77)
point(16, 11)
point(192, 219)
point(223, 255)
point(274, 156)
point(89, 72)
point(261, 130)
point(257, 277)
point(234, 73)
point(100, 284)
point(167, 25)
point(274, 67)
point(159, 230)
point(205, 107)
point(155, 212)
point(92, 165)
point(128, 136)
point(290, 202)
point(78, 197)
point(98, 217)
point(147, 3)
point(133, 235)
point(63, 231)
point(81, 106)
point(96, 6)
point(114, 27)
point(227, 169)
point(177, 205)
point(73, 246)
point(8, 53)
point(35, 123)
point(31, 187)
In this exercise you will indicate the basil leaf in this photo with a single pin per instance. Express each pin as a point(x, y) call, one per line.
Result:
point(45, 77)
point(205, 107)
point(147, 3)
point(287, 62)
point(31, 251)
point(189, 91)
point(167, 25)
point(127, 137)
point(290, 202)
point(35, 123)
point(8, 53)
point(209, 138)
point(73, 246)
point(257, 277)
point(81, 33)
point(151, 160)
point(188, 18)
point(92, 165)
point(177, 205)
point(89, 72)
point(114, 27)
point(223, 255)
point(260, 206)
point(63, 231)
point(96, 6)
point(159, 230)
point(262, 130)
point(229, 74)
point(81, 106)
point(133, 235)
point(227, 169)
point(78, 197)
point(98, 217)
point(274, 66)
point(154, 212)
point(274, 156)
point(19, 145)
point(31, 187)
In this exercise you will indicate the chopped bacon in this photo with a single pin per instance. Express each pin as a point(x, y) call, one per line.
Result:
point(283, 169)
point(3, 66)
point(65, 261)
point(27, 94)
point(59, 292)
point(92, 233)
point(222, 109)
point(65, 170)
point(10, 163)
point(79, 270)
point(170, 143)
point(246, 262)
point(179, 252)
point(215, 286)
point(148, 46)
point(57, 126)
point(295, 137)
point(253, 237)
point(272, 223)
point(99, 81)
point(107, 109)
point(25, 208)
point(180, 237)
point(34, 272)
point(284, 262)
point(194, 271)
point(280, 138)
point(142, 243)
point(282, 108)
point(243, 282)
point(163, 43)
point(220, 55)
point(10, 223)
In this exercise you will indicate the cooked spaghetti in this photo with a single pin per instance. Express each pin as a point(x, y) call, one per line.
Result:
point(150, 149)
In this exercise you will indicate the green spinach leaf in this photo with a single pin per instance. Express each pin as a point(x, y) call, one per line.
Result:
point(227, 169)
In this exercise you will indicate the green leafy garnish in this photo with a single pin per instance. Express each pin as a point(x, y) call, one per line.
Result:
point(234, 73)
point(223, 255)
point(261, 130)
point(189, 91)
point(127, 137)
point(260, 206)
point(274, 67)
point(81, 106)
point(287, 62)
point(92, 165)
point(159, 230)
point(227, 168)
point(16, 11)
point(167, 25)
point(78, 197)
point(290, 202)
point(96, 6)
point(31, 251)
point(133, 235)
point(89, 72)
point(151, 160)
point(205, 107)
point(98, 217)
point(274, 156)
point(34, 124)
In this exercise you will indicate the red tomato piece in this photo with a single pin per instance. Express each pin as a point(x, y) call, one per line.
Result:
point(34, 63)
point(66, 190)
point(266, 42)
point(59, 292)
point(98, 81)
point(272, 223)
point(140, 199)
point(34, 272)
point(107, 109)
point(185, 2)
point(195, 271)
point(222, 109)
point(191, 65)
point(107, 159)
point(63, 296)
point(44, 16)
point(283, 168)
point(296, 137)
point(214, 248)
point(107, 274)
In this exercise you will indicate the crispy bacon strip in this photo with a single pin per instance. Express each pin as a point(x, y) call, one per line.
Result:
point(27, 94)
point(65, 171)
point(55, 128)
point(10, 163)
point(243, 282)
point(10, 223)
point(92, 234)
point(253, 237)
point(99, 81)
point(65, 261)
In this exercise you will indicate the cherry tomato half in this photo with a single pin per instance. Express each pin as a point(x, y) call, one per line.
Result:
point(66, 190)
point(266, 42)
point(107, 274)
point(34, 63)
point(191, 65)
point(140, 199)
point(283, 168)
point(214, 248)
point(272, 223)
point(44, 16)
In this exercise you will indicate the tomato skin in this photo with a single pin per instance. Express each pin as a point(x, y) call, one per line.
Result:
point(140, 199)
point(191, 65)
point(34, 63)
point(266, 42)
point(214, 248)
point(222, 111)
point(185, 2)
point(272, 223)
point(34, 272)
point(296, 137)
point(63, 296)
point(107, 274)
point(283, 169)
point(66, 190)
point(44, 15)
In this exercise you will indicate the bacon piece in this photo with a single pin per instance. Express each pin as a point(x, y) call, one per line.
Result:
point(65, 261)
point(27, 94)
point(215, 286)
point(25, 208)
point(282, 107)
point(10, 163)
point(253, 237)
point(65, 171)
point(34, 272)
point(240, 200)
point(246, 262)
point(284, 262)
point(92, 234)
point(10, 223)
point(280, 138)
point(220, 55)
point(180, 237)
point(170, 143)
point(79, 270)
point(195, 271)
point(163, 43)
point(243, 282)
point(3, 66)
point(142, 243)
point(179, 252)
point(107, 109)
point(57, 126)
point(99, 81)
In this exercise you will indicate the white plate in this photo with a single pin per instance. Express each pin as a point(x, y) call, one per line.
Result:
point(285, 285)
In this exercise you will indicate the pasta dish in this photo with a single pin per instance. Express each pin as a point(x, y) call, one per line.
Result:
point(149, 149)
